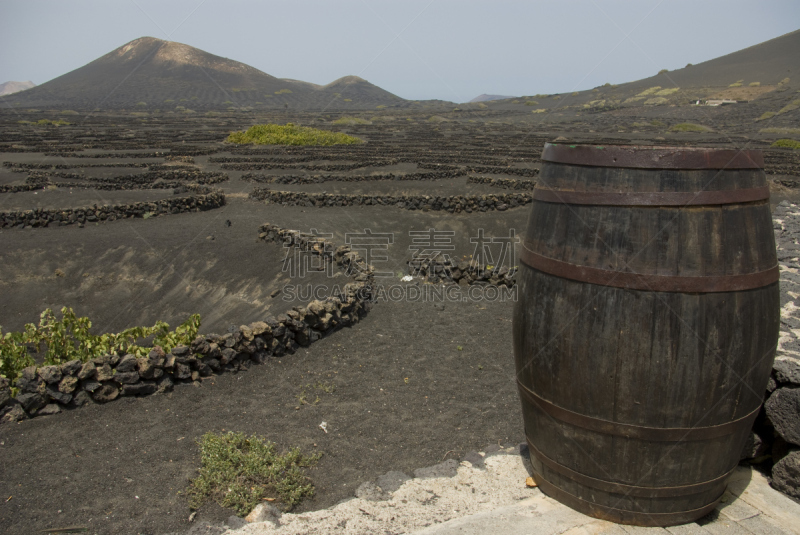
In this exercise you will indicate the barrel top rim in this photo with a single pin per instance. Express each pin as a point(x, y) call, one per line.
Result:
point(652, 156)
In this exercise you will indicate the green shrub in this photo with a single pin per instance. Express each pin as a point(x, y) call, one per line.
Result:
point(767, 115)
point(350, 121)
point(754, 84)
point(46, 122)
point(69, 338)
point(649, 91)
point(240, 472)
point(736, 84)
point(668, 91)
point(787, 144)
point(790, 107)
point(689, 127)
point(283, 91)
point(69, 112)
point(662, 71)
point(778, 130)
point(274, 134)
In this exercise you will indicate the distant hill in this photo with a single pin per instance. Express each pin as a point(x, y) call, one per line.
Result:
point(485, 97)
point(766, 75)
point(14, 87)
point(150, 73)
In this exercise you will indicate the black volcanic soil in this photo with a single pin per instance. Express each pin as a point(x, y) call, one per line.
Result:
point(405, 395)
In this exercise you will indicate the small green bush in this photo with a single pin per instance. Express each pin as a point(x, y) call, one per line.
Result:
point(787, 144)
point(46, 122)
point(754, 84)
point(350, 121)
point(240, 472)
point(668, 91)
point(662, 71)
point(790, 107)
point(531, 103)
point(689, 127)
point(283, 91)
point(69, 338)
point(649, 91)
point(767, 115)
point(274, 134)
point(778, 130)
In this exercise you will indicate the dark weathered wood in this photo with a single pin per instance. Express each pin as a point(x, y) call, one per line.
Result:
point(644, 359)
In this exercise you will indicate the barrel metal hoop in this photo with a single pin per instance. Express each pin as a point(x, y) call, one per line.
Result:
point(622, 516)
point(644, 157)
point(658, 434)
point(652, 283)
point(656, 198)
point(627, 490)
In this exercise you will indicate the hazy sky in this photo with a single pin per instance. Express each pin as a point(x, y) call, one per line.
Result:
point(417, 49)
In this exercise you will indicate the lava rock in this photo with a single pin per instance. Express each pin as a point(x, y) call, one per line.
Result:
point(786, 474)
point(126, 378)
point(139, 389)
point(5, 392)
point(104, 372)
point(31, 402)
point(126, 364)
point(81, 398)
point(164, 385)
point(182, 371)
point(783, 411)
point(71, 368)
point(786, 370)
point(16, 414)
point(52, 408)
point(54, 394)
point(181, 351)
point(149, 368)
point(68, 384)
point(106, 393)
point(90, 386)
point(50, 374)
point(88, 371)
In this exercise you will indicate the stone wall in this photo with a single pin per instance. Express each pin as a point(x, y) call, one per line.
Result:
point(40, 218)
point(505, 183)
point(462, 273)
point(776, 433)
point(452, 204)
point(50, 389)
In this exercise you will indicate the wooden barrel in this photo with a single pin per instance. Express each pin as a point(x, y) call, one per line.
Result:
point(646, 326)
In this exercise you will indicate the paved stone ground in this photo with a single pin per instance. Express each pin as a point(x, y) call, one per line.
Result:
point(489, 495)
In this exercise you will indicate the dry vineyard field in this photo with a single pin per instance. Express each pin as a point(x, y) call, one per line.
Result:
point(131, 222)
